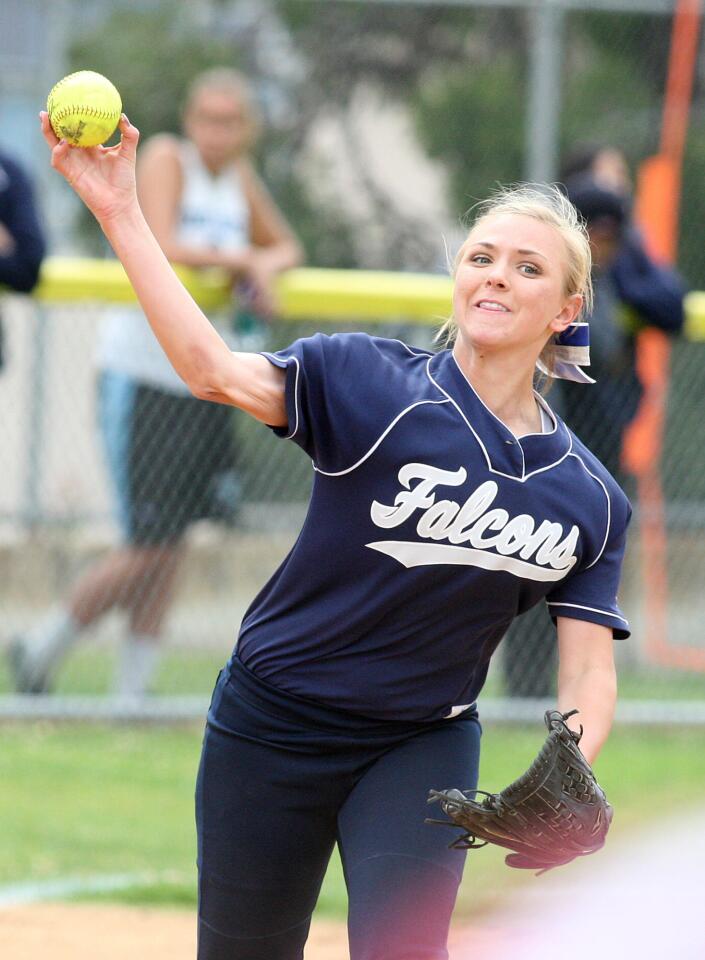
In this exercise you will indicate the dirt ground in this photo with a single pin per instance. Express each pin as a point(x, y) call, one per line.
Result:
point(86, 932)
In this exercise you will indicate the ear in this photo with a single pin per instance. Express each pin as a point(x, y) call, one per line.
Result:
point(569, 314)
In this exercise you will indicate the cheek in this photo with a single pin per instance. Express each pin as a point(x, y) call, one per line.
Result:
point(462, 289)
point(539, 294)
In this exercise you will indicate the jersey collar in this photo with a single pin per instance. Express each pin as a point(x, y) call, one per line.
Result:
point(515, 458)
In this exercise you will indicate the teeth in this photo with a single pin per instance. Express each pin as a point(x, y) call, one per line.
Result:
point(488, 305)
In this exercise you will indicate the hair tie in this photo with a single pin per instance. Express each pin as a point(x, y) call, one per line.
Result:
point(569, 352)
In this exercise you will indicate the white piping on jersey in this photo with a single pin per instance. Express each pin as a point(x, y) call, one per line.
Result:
point(579, 606)
point(549, 466)
point(539, 398)
point(273, 356)
point(412, 350)
point(609, 508)
point(544, 409)
point(469, 425)
point(365, 456)
point(508, 476)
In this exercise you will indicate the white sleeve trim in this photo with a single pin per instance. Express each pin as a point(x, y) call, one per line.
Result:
point(579, 606)
point(277, 361)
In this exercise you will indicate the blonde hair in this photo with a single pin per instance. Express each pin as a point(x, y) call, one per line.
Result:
point(230, 81)
point(547, 204)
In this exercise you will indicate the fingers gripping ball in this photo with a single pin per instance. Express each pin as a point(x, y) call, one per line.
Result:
point(84, 108)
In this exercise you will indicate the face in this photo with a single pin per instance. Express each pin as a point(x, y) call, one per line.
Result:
point(218, 123)
point(509, 290)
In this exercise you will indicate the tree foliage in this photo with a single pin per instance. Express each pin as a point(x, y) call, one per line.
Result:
point(152, 54)
point(462, 74)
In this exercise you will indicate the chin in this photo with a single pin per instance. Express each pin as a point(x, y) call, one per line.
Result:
point(478, 337)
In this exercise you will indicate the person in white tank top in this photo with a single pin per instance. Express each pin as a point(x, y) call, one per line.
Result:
point(167, 451)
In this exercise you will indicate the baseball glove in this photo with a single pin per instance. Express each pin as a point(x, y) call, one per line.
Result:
point(554, 812)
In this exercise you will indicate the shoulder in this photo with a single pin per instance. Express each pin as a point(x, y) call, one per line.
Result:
point(245, 169)
point(162, 148)
point(384, 347)
point(372, 368)
point(362, 348)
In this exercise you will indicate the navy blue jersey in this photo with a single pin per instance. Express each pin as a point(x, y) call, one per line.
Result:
point(430, 527)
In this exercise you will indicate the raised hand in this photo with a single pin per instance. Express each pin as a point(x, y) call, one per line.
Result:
point(103, 177)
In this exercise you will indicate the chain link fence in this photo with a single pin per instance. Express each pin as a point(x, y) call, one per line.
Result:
point(385, 121)
point(58, 520)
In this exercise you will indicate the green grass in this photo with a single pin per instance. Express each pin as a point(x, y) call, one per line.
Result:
point(88, 670)
point(91, 800)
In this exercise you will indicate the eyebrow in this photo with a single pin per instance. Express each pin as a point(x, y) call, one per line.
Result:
point(524, 253)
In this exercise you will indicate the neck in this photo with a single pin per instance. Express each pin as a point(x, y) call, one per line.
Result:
point(505, 386)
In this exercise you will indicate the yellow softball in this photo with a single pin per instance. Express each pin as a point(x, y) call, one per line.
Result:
point(84, 108)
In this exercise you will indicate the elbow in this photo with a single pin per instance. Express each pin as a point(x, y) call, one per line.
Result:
point(200, 391)
point(205, 385)
point(200, 374)
point(205, 391)
point(291, 254)
point(202, 386)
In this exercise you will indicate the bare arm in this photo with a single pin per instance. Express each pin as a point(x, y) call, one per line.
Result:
point(271, 234)
point(274, 246)
point(587, 680)
point(104, 178)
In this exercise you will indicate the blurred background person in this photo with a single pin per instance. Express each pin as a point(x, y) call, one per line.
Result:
point(22, 244)
point(602, 163)
point(632, 291)
point(171, 457)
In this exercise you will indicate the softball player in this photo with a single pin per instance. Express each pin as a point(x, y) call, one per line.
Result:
point(447, 498)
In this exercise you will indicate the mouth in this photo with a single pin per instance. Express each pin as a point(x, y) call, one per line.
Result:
point(494, 306)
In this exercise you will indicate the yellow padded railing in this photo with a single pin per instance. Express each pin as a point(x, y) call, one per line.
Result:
point(306, 293)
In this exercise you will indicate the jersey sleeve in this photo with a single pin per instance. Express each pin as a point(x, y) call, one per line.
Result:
point(341, 392)
point(590, 593)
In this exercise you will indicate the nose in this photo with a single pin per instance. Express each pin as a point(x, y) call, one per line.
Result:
point(496, 277)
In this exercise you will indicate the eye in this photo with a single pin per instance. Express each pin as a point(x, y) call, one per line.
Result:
point(530, 269)
point(480, 258)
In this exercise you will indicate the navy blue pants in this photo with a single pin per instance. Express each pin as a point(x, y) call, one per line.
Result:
point(281, 781)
